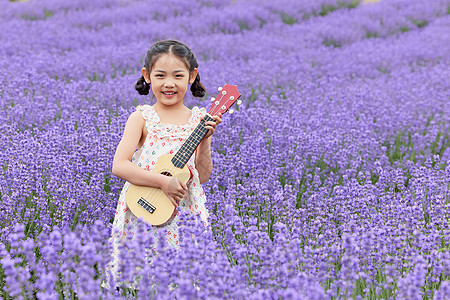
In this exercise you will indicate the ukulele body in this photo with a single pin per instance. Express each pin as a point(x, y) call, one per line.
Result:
point(151, 204)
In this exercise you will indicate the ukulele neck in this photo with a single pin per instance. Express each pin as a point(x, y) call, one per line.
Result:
point(182, 156)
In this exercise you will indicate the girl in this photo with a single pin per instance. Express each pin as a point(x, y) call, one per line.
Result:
point(170, 66)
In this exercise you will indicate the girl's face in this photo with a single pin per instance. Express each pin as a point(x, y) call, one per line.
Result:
point(169, 79)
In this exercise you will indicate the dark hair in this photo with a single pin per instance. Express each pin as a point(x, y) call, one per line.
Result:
point(181, 51)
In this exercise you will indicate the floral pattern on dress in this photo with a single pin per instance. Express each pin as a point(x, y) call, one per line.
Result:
point(161, 139)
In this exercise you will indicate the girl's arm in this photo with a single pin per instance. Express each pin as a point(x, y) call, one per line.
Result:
point(203, 162)
point(125, 169)
point(122, 165)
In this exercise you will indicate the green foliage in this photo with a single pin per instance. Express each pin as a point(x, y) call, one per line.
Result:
point(243, 25)
point(47, 14)
point(328, 8)
point(401, 147)
point(287, 19)
point(370, 34)
point(97, 77)
point(419, 23)
point(330, 42)
point(404, 29)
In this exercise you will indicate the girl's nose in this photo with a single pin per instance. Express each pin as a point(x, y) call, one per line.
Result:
point(169, 84)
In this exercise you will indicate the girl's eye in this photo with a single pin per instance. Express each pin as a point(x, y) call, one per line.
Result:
point(159, 75)
point(179, 76)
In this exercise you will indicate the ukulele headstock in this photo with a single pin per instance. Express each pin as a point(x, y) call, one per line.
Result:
point(227, 96)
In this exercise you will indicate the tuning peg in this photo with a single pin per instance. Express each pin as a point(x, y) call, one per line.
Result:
point(231, 111)
point(239, 102)
point(212, 99)
point(219, 88)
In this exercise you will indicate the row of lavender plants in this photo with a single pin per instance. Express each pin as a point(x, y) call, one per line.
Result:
point(331, 180)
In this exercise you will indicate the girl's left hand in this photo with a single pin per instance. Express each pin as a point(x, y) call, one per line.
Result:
point(211, 125)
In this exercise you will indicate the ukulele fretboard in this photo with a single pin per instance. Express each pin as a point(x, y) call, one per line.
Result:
point(182, 156)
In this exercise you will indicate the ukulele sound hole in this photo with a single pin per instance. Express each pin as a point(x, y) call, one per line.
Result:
point(166, 173)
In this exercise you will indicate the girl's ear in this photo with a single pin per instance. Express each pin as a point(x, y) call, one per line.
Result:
point(193, 75)
point(146, 75)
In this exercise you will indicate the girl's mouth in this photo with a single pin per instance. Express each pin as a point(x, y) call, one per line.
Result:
point(169, 93)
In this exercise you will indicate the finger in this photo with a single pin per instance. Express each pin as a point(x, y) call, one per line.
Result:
point(174, 202)
point(211, 125)
point(179, 198)
point(184, 186)
point(209, 133)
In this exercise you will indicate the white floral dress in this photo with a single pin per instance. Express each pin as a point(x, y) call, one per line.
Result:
point(161, 139)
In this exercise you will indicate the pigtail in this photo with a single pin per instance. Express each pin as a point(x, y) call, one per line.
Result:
point(142, 87)
point(197, 88)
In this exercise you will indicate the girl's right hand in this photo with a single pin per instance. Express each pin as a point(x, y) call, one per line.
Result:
point(174, 189)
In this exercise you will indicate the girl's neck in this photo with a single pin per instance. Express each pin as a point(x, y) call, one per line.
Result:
point(176, 114)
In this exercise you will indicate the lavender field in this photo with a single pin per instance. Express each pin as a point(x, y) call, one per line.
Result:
point(330, 181)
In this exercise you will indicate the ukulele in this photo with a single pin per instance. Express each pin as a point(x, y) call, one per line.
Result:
point(151, 204)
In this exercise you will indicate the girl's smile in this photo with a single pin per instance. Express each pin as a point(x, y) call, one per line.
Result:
point(169, 94)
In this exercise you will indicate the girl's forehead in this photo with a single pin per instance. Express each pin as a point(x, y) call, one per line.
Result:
point(168, 62)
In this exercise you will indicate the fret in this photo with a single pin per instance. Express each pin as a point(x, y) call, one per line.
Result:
point(185, 152)
point(190, 147)
point(196, 140)
point(177, 163)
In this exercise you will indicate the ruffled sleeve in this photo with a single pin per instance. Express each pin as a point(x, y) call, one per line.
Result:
point(148, 112)
point(197, 114)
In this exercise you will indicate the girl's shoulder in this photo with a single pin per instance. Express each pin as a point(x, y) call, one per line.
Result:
point(197, 113)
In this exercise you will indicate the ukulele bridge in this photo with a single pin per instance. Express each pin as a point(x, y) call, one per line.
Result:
point(145, 205)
